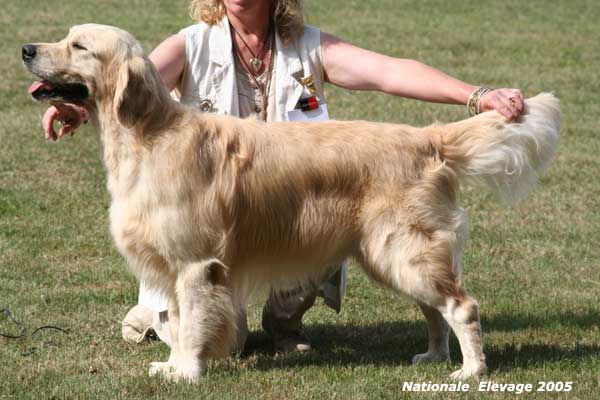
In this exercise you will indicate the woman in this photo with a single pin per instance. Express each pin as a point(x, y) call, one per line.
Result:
point(256, 58)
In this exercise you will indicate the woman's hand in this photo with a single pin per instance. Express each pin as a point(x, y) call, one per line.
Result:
point(70, 116)
point(508, 102)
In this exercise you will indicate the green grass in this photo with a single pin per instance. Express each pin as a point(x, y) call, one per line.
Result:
point(535, 269)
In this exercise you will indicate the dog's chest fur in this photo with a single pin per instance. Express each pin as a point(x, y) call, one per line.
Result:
point(152, 221)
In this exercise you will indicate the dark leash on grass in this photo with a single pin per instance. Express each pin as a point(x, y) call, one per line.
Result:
point(23, 331)
point(9, 315)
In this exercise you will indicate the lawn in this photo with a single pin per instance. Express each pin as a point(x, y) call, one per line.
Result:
point(535, 269)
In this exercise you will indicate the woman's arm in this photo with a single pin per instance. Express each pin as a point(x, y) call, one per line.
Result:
point(351, 67)
point(169, 59)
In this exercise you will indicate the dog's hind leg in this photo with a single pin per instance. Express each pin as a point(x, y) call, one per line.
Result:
point(206, 326)
point(424, 265)
point(438, 328)
point(462, 313)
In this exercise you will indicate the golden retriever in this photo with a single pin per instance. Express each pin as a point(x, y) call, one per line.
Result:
point(209, 208)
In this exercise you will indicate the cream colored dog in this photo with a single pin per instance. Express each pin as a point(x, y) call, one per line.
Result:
point(209, 208)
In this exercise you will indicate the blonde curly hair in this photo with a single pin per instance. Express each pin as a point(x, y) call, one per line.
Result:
point(287, 14)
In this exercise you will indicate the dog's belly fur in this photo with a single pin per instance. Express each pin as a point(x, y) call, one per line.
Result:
point(279, 252)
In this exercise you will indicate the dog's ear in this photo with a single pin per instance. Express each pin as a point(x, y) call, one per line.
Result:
point(131, 102)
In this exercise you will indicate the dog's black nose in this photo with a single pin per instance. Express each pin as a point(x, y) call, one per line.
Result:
point(29, 51)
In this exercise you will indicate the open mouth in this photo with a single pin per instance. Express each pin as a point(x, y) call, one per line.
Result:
point(46, 90)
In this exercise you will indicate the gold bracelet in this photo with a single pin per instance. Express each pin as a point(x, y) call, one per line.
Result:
point(474, 103)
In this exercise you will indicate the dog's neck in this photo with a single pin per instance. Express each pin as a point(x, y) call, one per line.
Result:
point(124, 147)
point(131, 120)
point(121, 151)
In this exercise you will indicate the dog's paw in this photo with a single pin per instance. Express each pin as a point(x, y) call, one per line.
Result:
point(175, 373)
point(430, 358)
point(182, 376)
point(161, 368)
point(475, 371)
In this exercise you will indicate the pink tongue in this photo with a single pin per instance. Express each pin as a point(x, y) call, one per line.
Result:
point(40, 85)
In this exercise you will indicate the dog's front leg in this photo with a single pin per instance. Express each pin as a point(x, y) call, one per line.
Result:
point(168, 367)
point(205, 327)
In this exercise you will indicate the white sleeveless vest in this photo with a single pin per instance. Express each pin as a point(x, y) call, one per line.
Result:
point(209, 79)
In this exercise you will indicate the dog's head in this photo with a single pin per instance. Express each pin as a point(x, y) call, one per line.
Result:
point(95, 65)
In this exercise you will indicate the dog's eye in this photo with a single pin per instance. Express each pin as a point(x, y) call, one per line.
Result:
point(78, 46)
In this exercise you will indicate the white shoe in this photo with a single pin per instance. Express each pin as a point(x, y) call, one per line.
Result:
point(136, 327)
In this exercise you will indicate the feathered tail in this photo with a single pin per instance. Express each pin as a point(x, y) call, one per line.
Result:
point(506, 157)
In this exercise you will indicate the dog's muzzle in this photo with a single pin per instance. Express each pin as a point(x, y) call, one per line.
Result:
point(51, 87)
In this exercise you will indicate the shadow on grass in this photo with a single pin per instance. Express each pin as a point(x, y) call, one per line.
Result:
point(508, 357)
point(588, 319)
point(387, 343)
point(395, 343)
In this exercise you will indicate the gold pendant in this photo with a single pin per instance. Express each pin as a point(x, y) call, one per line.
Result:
point(256, 64)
